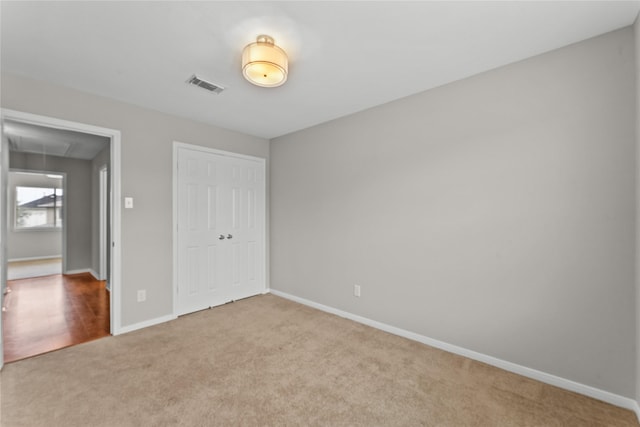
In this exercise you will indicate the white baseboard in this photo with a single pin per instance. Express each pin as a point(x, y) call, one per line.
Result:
point(145, 324)
point(34, 258)
point(78, 271)
point(94, 274)
point(605, 396)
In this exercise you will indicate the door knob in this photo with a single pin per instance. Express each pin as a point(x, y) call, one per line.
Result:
point(229, 236)
point(221, 237)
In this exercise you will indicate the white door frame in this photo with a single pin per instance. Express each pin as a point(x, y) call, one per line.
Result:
point(116, 251)
point(177, 146)
point(103, 215)
point(4, 174)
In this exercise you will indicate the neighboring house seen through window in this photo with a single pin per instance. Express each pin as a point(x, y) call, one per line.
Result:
point(38, 207)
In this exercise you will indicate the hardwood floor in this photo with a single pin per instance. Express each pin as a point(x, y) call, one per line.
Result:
point(48, 313)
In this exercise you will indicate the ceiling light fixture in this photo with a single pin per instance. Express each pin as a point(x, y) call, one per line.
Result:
point(265, 64)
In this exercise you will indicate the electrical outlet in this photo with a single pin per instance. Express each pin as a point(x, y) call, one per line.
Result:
point(356, 290)
point(142, 295)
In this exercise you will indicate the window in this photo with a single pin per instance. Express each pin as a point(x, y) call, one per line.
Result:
point(38, 207)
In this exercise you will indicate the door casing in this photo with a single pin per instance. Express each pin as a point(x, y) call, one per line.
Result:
point(103, 205)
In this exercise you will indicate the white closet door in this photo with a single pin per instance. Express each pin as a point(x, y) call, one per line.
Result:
point(220, 234)
point(247, 226)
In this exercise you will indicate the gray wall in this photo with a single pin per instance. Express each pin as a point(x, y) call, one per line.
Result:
point(102, 159)
point(637, 55)
point(31, 243)
point(147, 136)
point(77, 202)
point(495, 213)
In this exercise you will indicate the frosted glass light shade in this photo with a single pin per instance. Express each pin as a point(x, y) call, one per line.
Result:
point(264, 64)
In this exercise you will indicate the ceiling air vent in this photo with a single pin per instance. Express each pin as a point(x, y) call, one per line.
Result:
point(196, 81)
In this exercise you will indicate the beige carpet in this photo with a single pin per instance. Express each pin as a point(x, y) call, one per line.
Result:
point(269, 361)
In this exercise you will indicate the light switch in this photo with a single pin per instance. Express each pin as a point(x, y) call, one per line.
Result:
point(128, 202)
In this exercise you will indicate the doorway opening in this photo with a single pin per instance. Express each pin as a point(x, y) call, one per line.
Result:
point(83, 212)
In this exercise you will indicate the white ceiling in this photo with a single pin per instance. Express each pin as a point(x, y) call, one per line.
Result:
point(28, 138)
point(344, 56)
